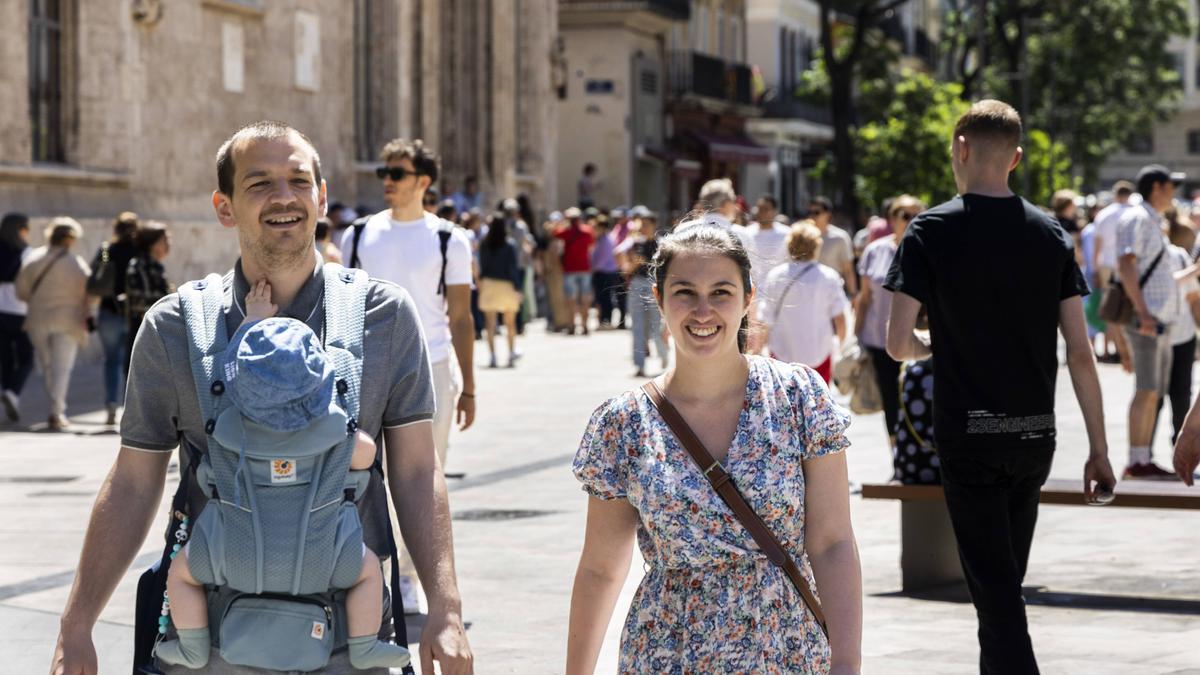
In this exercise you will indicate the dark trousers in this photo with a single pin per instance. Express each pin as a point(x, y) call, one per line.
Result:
point(622, 292)
point(887, 375)
point(993, 501)
point(16, 353)
point(604, 285)
point(1179, 388)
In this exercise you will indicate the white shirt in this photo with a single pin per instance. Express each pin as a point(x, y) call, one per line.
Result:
point(800, 317)
point(409, 254)
point(1106, 229)
point(1184, 327)
point(767, 247)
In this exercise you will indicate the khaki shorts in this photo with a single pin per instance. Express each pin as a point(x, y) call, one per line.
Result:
point(498, 295)
point(1151, 360)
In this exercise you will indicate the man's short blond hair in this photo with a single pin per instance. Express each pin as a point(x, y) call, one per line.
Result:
point(992, 123)
point(717, 192)
point(1061, 200)
point(803, 241)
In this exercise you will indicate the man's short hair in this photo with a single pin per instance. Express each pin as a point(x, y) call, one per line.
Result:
point(991, 122)
point(1061, 200)
point(589, 168)
point(1122, 188)
point(822, 202)
point(261, 130)
point(423, 159)
point(717, 193)
point(770, 199)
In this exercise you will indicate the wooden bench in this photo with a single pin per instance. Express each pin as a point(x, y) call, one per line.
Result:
point(928, 554)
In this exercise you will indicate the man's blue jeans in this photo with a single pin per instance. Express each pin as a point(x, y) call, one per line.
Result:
point(647, 320)
point(114, 333)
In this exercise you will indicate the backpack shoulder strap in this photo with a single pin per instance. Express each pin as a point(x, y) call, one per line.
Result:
point(445, 231)
point(359, 225)
point(203, 306)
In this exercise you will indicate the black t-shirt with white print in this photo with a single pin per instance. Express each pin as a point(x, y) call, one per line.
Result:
point(992, 272)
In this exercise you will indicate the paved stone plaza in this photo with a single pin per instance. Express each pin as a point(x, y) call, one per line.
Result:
point(1113, 591)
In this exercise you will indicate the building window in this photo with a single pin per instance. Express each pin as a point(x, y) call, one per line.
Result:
point(1193, 139)
point(722, 43)
point(1140, 144)
point(364, 122)
point(735, 39)
point(700, 32)
point(46, 62)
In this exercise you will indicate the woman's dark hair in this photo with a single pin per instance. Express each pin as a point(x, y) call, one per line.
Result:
point(694, 236)
point(125, 227)
point(11, 227)
point(497, 233)
point(324, 225)
point(148, 234)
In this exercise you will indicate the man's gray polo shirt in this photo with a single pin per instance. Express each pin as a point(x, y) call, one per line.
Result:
point(397, 387)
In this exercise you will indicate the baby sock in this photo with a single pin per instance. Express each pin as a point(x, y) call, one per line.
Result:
point(369, 651)
point(189, 650)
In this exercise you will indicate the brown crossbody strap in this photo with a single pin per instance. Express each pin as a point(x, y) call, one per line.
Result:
point(721, 482)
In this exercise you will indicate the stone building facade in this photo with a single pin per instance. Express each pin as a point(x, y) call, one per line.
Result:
point(119, 105)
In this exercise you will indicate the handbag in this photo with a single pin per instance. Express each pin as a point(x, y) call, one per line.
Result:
point(724, 486)
point(1115, 306)
point(854, 376)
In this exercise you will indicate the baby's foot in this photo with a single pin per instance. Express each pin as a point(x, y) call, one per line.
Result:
point(258, 302)
point(369, 651)
point(189, 650)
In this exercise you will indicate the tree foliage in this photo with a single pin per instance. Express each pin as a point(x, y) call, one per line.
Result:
point(906, 149)
point(1097, 72)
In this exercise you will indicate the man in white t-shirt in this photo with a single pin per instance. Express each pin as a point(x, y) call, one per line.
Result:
point(837, 249)
point(403, 244)
point(431, 259)
point(765, 240)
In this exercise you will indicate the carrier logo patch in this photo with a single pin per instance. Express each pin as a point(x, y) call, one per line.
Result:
point(283, 471)
point(318, 631)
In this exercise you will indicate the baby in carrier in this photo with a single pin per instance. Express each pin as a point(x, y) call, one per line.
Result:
point(279, 377)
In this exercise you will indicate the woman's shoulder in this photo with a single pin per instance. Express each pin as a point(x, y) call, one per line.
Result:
point(793, 377)
point(618, 409)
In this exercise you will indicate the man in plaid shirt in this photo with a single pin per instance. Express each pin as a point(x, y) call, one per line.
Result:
point(1140, 247)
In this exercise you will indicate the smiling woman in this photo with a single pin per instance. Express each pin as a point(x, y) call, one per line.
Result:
point(712, 600)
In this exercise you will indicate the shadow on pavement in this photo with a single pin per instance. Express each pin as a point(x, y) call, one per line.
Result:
point(1044, 597)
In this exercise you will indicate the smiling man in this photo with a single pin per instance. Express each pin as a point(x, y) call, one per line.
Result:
point(270, 191)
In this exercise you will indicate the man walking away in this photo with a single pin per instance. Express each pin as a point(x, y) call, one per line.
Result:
point(1146, 271)
point(993, 406)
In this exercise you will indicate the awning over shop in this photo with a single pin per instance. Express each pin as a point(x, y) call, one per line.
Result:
point(737, 148)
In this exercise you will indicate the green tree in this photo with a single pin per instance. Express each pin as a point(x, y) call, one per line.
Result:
point(1048, 165)
point(1090, 74)
point(907, 149)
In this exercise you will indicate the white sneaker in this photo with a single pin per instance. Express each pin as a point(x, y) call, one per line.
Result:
point(410, 595)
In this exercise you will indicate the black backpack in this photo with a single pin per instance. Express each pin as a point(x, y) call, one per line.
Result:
point(102, 281)
point(444, 233)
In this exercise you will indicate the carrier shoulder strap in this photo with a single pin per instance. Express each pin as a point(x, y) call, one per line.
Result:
point(359, 225)
point(203, 306)
point(345, 312)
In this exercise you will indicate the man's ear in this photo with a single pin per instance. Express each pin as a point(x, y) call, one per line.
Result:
point(323, 200)
point(223, 206)
point(1016, 158)
point(963, 148)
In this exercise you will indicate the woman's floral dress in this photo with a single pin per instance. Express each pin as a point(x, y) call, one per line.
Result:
point(711, 602)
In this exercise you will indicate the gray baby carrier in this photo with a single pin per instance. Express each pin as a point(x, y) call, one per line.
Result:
point(279, 539)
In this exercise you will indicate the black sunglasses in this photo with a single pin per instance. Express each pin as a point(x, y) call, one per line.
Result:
point(396, 173)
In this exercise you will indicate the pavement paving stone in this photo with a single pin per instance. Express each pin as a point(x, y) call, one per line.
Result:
point(1089, 566)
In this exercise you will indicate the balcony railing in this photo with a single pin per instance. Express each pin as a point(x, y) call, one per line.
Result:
point(708, 76)
point(794, 109)
point(675, 9)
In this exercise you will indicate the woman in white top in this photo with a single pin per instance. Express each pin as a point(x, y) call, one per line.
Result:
point(16, 352)
point(54, 283)
point(803, 304)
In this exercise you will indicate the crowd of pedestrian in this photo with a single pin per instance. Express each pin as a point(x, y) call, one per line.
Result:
point(749, 310)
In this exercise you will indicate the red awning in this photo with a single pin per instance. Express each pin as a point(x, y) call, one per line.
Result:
point(737, 148)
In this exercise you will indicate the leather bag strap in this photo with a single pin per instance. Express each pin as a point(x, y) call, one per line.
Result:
point(723, 484)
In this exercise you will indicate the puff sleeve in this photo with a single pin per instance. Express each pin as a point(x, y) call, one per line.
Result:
point(598, 461)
